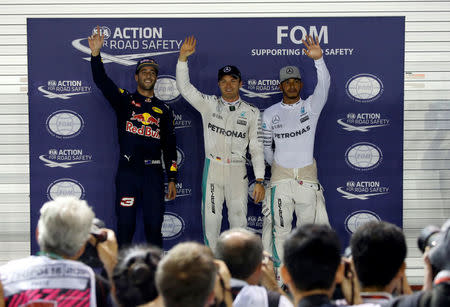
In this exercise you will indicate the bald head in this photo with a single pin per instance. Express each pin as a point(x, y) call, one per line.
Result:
point(241, 250)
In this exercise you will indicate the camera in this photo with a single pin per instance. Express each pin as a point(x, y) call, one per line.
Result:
point(90, 255)
point(438, 239)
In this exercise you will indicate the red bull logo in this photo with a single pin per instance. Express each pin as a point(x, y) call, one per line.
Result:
point(173, 167)
point(143, 130)
point(145, 118)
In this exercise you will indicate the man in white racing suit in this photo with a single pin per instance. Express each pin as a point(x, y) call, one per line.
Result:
point(230, 125)
point(291, 126)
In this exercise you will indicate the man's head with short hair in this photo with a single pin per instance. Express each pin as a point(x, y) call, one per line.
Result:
point(379, 251)
point(186, 275)
point(64, 226)
point(241, 250)
point(312, 257)
point(230, 82)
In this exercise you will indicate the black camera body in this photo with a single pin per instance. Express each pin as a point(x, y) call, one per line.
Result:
point(438, 239)
point(90, 255)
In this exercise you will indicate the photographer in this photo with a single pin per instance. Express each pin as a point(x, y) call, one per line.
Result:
point(55, 275)
point(436, 245)
point(380, 273)
point(189, 276)
point(242, 252)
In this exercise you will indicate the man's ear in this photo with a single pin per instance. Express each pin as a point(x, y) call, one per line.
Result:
point(240, 84)
point(136, 77)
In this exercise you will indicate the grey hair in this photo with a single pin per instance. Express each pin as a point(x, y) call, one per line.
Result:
point(64, 225)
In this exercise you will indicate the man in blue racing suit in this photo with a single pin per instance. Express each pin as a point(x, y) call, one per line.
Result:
point(145, 129)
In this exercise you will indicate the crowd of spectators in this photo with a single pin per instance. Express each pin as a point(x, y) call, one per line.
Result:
point(237, 273)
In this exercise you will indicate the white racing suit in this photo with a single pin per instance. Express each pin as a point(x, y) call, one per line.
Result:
point(228, 131)
point(294, 183)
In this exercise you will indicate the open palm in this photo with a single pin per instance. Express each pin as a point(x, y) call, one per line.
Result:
point(188, 47)
point(96, 42)
point(313, 49)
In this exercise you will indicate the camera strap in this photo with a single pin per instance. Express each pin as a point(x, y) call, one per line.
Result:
point(49, 255)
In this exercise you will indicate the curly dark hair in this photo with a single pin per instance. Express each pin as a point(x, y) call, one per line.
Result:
point(134, 275)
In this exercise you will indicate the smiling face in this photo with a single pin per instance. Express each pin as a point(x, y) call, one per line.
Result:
point(229, 87)
point(146, 78)
point(291, 90)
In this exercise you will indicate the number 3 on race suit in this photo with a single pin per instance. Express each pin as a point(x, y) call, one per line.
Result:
point(127, 201)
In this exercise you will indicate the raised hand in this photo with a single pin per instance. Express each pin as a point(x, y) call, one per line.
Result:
point(188, 48)
point(313, 48)
point(96, 42)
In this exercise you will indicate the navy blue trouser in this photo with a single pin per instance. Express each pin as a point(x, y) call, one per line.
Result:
point(139, 186)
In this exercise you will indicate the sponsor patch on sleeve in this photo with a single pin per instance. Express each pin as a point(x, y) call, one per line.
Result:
point(173, 167)
point(157, 110)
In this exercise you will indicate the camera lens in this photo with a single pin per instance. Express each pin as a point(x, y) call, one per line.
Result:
point(429, 236)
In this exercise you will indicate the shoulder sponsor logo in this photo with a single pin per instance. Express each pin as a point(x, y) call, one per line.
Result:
point(130, 38)
point(364, 88)
point(363, 156)
point(304, 118)
point(65, 158)
point(362, 122)
point(64, 124)
point(242, 122)
point(166, 89)
point(358, 218)
point(173, 226)
point(65, 187)
point(180, 122)
point(157, 110)
point(64, 89)
point(180, 158)
point(362, 190)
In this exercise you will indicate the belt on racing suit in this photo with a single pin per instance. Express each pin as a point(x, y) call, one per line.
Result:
point(305, 176)
point(315, 185)
point(129, 160)
point(223, 160)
